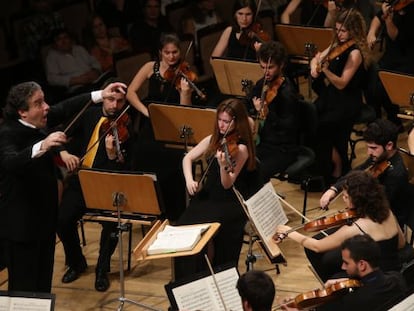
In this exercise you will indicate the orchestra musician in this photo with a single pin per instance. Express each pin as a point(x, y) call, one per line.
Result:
point(339, 75)
point(257, 291)
point(313, 13)
point(363, 195)
point(29, 182)
point(237, 39)
point(167, 87)
point(381, 141)
point(275, 109)
point(92, 129)
point(231, 154)
point(379, 290)
point(393, 24)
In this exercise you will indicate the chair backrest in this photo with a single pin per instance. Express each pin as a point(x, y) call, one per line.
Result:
point(207, 39)
point(174, 13)
point(127, 65)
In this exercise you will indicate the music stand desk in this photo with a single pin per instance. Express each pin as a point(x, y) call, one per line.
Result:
point(295, 38)
point(140, 250)
point(231, 74)
point(400, 89)
point(181, 125)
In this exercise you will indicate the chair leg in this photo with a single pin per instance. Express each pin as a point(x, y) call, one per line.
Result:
point(81, 223)
point(129, 246)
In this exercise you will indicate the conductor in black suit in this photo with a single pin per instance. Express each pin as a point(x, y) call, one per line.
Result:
point(29, 182)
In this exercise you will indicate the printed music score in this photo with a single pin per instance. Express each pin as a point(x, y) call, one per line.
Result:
point(202, 294)
point(266, 213)
point(8, 303)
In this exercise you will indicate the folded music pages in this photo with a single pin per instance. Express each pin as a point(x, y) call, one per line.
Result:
point(31, 302)
point(177, 238)
point(202, 294)
point(266, 212)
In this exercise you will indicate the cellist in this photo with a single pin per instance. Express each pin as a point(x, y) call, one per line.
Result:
point(362, 193)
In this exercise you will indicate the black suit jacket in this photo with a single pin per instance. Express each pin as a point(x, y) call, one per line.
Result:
point(28, 186)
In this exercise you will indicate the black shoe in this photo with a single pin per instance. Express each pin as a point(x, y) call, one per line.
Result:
point(101, 281)
point(73, 273)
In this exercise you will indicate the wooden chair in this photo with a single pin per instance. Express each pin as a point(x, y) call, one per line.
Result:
point(174, 12)
point(207, 39)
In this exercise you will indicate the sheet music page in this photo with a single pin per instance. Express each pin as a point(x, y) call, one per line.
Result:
point(24, 304)
point(202, 294)
point(266, 212)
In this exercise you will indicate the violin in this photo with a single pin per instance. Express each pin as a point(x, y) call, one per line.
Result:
point(119, 129)
point(339, 219)
point(269, 92)
point(254, 33)
point(378, 169)
point(317, 297)
point(334, 53)
point(173, 75)
point(230, 148)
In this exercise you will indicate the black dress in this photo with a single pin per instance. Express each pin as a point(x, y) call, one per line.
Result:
point(239, 51)
point(216, 204)
point(337, 112)
point(153, 156)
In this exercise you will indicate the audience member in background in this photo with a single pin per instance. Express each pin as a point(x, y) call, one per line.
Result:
point(40, 27)
point(69, 65)
point(235, 39)
point(145, 33)
point(118, 15)
point(257, 291)
point(396, 28)
point(339, 101)
point(101, 44)
point(199, 14)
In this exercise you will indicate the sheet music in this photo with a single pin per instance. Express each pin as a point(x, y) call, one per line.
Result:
point(202, 294)
point(24, 304)
point(405, 305)
point(266, 212)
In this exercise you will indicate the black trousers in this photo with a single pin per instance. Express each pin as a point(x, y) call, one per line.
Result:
point(71, 210)
point(30, 264)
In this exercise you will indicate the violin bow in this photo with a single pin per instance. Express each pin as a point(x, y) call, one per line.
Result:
point(104, 133)
point(215, 282)
point(71, 123)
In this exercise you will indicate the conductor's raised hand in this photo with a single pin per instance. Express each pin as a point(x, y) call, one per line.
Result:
point(113, 88)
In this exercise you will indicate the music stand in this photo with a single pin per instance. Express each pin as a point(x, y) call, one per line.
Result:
point(400, 89)
point(235, 77)
point(120, 192)
point(301, 42)
point(181, 125)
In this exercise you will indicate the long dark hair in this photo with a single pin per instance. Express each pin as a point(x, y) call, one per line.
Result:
point(236, 109)
point(240, 4)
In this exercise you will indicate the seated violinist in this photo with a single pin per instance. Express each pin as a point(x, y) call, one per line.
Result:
point(375, 290)
point(167, 86)
point(386, 163)
point(276, 112)
point(369, 213)
point(237, 41)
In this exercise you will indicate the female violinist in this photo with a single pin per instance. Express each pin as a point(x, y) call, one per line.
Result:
point(275, 107)
point(165, 86)
point(236, 39)
point(160, 89)
point(339, 73)
point(362, 193)
point(215, 201)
